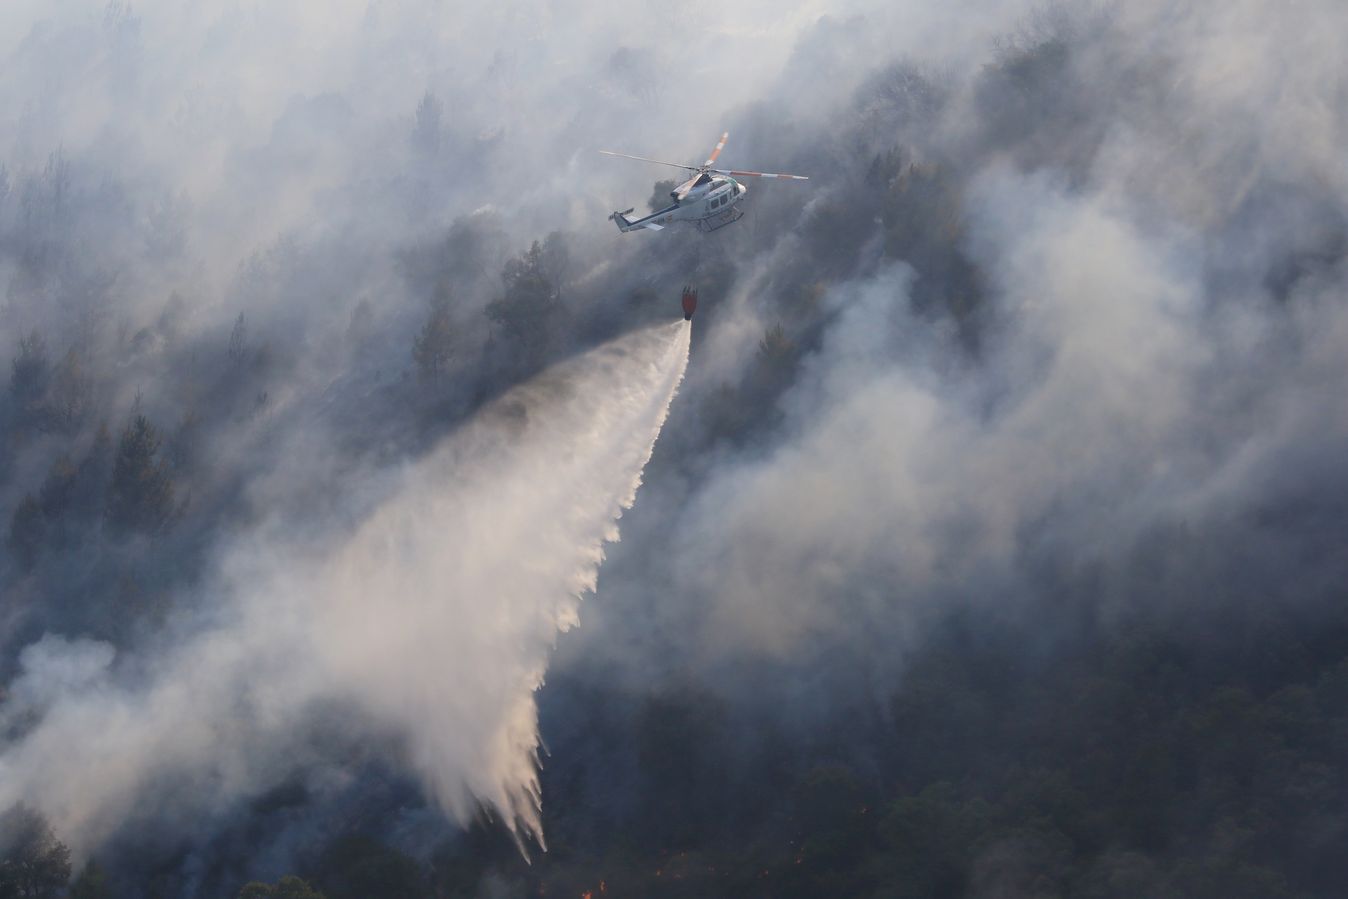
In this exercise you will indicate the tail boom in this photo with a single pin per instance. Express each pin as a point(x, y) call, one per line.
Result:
point(656, 221)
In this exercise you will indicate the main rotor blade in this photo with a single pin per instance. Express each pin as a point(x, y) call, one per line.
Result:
point(760, 174)
point(716, 152)
point(691, 168)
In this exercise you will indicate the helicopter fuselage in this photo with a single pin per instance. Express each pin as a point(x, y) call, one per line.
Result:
point(708, 201)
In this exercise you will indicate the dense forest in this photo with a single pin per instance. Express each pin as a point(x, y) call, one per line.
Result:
point(993, 547)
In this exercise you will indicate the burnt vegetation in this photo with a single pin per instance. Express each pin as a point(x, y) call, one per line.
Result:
point(1157, 753)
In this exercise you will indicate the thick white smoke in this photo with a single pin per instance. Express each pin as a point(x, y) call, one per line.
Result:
point(428, 622)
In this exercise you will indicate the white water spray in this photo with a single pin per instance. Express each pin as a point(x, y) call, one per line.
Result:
point(432, 620)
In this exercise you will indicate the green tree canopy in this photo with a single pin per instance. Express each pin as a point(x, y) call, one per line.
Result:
point(27, 531)
point(91, 884)
point(529, 309)
point(140, 497)
point(355, 867)
point(288, 887)
point(30, 373)
point(33, 863)
point(434, 343)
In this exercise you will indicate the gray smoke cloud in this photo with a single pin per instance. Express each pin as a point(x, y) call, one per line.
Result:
point(170, 171)
point(1136, 374)
point(1153, 224)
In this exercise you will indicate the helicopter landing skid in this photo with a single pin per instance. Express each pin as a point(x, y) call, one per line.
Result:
point(716, 222)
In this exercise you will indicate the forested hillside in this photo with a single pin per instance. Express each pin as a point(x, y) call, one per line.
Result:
point(993, 546)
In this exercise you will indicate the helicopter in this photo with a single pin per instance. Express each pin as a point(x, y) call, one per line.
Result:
point(710, 198)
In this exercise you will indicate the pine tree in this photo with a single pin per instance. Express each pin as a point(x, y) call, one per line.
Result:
point(27, 532)
point(426, 132)
point(140, 497)
point(30, 373)
point(238, 341)
point(433, 345)
point(531, 305)
point(91, 884)
point(288, 887)
point(34, 864)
